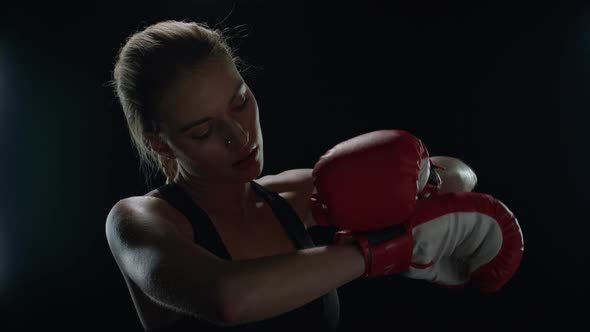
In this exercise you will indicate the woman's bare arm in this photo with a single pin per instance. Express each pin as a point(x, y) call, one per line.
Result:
point(181, 275)
point(273, 285)
point(166, 266)
point(296, 186)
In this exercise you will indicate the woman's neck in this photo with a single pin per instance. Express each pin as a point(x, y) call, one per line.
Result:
point(236, 199)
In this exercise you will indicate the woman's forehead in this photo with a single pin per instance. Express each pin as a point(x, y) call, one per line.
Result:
point(201, 89)
point(207, 77)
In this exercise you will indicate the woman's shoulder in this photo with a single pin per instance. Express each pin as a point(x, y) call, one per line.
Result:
point(151, 201)
point(154, 209)
point(154, 193)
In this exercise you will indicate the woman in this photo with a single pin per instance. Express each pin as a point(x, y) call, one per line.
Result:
point(212, 248)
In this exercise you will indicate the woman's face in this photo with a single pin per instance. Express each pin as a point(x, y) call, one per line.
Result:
point(204, 107)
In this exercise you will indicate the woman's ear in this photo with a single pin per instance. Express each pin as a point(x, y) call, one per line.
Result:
point(157, 144)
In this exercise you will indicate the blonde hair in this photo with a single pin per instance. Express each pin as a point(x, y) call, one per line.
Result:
point(147, 63)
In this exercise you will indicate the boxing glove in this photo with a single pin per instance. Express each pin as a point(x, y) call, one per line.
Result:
point(452, 240)
point(370, 181)
point(434, 181)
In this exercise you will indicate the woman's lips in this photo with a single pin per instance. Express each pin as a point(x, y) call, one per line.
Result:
point(249, 157)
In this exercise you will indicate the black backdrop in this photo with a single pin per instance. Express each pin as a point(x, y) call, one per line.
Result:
point(501, 85)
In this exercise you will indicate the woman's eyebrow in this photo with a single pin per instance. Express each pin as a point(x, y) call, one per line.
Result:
point(192, 124)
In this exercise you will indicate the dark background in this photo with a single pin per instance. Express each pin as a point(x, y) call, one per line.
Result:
point(501, 85)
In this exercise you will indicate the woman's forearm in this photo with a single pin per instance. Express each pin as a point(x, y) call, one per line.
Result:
point(266, 287)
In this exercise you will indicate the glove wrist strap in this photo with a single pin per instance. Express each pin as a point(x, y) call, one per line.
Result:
point(382, 257)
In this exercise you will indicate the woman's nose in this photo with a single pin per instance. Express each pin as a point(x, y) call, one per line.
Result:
point(238, 136)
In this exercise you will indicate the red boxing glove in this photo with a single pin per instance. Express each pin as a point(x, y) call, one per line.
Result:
point(465, 238)
point(452, 240)
point(371, 181)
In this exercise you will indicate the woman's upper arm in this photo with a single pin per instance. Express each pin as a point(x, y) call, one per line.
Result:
point(296, 186)
point(166, 266)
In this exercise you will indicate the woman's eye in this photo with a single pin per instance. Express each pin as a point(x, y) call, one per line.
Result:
point(244, 103)
point(201, 137)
